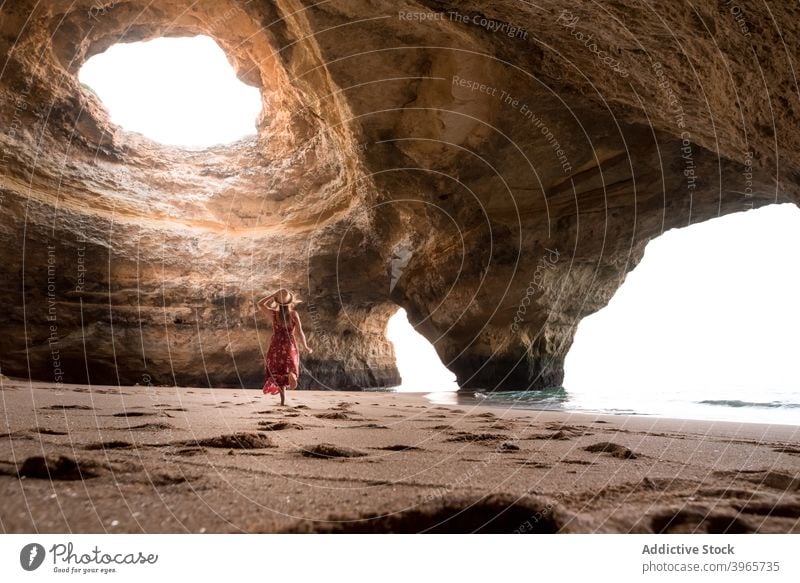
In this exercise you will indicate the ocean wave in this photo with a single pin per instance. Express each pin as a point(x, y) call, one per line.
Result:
point(739, 403)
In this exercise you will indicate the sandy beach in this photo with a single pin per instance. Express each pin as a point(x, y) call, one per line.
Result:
point(163, 459)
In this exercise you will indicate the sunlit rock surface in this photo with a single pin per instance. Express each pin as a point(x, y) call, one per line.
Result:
point(494, 168)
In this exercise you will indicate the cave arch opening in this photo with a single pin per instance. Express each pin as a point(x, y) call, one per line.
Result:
point(707, 326)
point(419, 365)
point(177, 91)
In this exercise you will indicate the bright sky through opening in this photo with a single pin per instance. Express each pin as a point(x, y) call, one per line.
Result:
point(417, 361)
point(176, 91)
point(711, 307)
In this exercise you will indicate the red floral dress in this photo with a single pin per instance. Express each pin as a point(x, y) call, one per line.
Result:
point(282, 356)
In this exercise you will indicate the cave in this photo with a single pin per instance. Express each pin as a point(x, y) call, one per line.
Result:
point(496, 185)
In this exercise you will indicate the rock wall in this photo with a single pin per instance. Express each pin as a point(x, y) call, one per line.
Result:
point(494, 168)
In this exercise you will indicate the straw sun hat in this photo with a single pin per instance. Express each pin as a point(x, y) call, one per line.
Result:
point(283, 297)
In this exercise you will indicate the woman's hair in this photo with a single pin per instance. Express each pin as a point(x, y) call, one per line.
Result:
point(285, 313)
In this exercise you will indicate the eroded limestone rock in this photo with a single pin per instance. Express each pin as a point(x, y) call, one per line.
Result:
point(490, 167)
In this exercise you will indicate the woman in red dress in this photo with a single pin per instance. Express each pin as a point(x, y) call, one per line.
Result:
point(282, 364)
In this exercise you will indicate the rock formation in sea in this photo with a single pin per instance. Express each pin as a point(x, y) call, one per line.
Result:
point(495, 168)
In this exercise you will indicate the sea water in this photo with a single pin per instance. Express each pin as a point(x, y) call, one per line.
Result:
point(772, 406)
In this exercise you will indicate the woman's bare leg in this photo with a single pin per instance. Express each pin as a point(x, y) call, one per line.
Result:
point(283, 395)
point(292, 381)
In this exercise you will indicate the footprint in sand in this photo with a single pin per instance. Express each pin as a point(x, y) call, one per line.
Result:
point(508, 446)
point(67, 407)
point(58, 468)
point(166, 479)
point(242, 440)
point(278, 425)
point(295, 409)
point(134, 414)
point(113, 444)
point(329, 451)
point(613, 449)
point(501, 425)
point(333, 415)
point(783, 509)
point(44, 431)
point(493, 514)
point(477, 437)
point(533, 464)
point(187, 451)
point(399, 447)
point(16, 435)
point(368, 426)
point(568, 430)
point(151, 426)
point(558, 436)
point(698, 520)
point(771, 478)
point(732, 493)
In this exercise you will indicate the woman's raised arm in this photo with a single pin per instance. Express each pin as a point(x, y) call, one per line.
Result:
point(299, 329)
point(263, 301)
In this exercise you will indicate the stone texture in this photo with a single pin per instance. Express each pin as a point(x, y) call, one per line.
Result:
point(498, 216)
